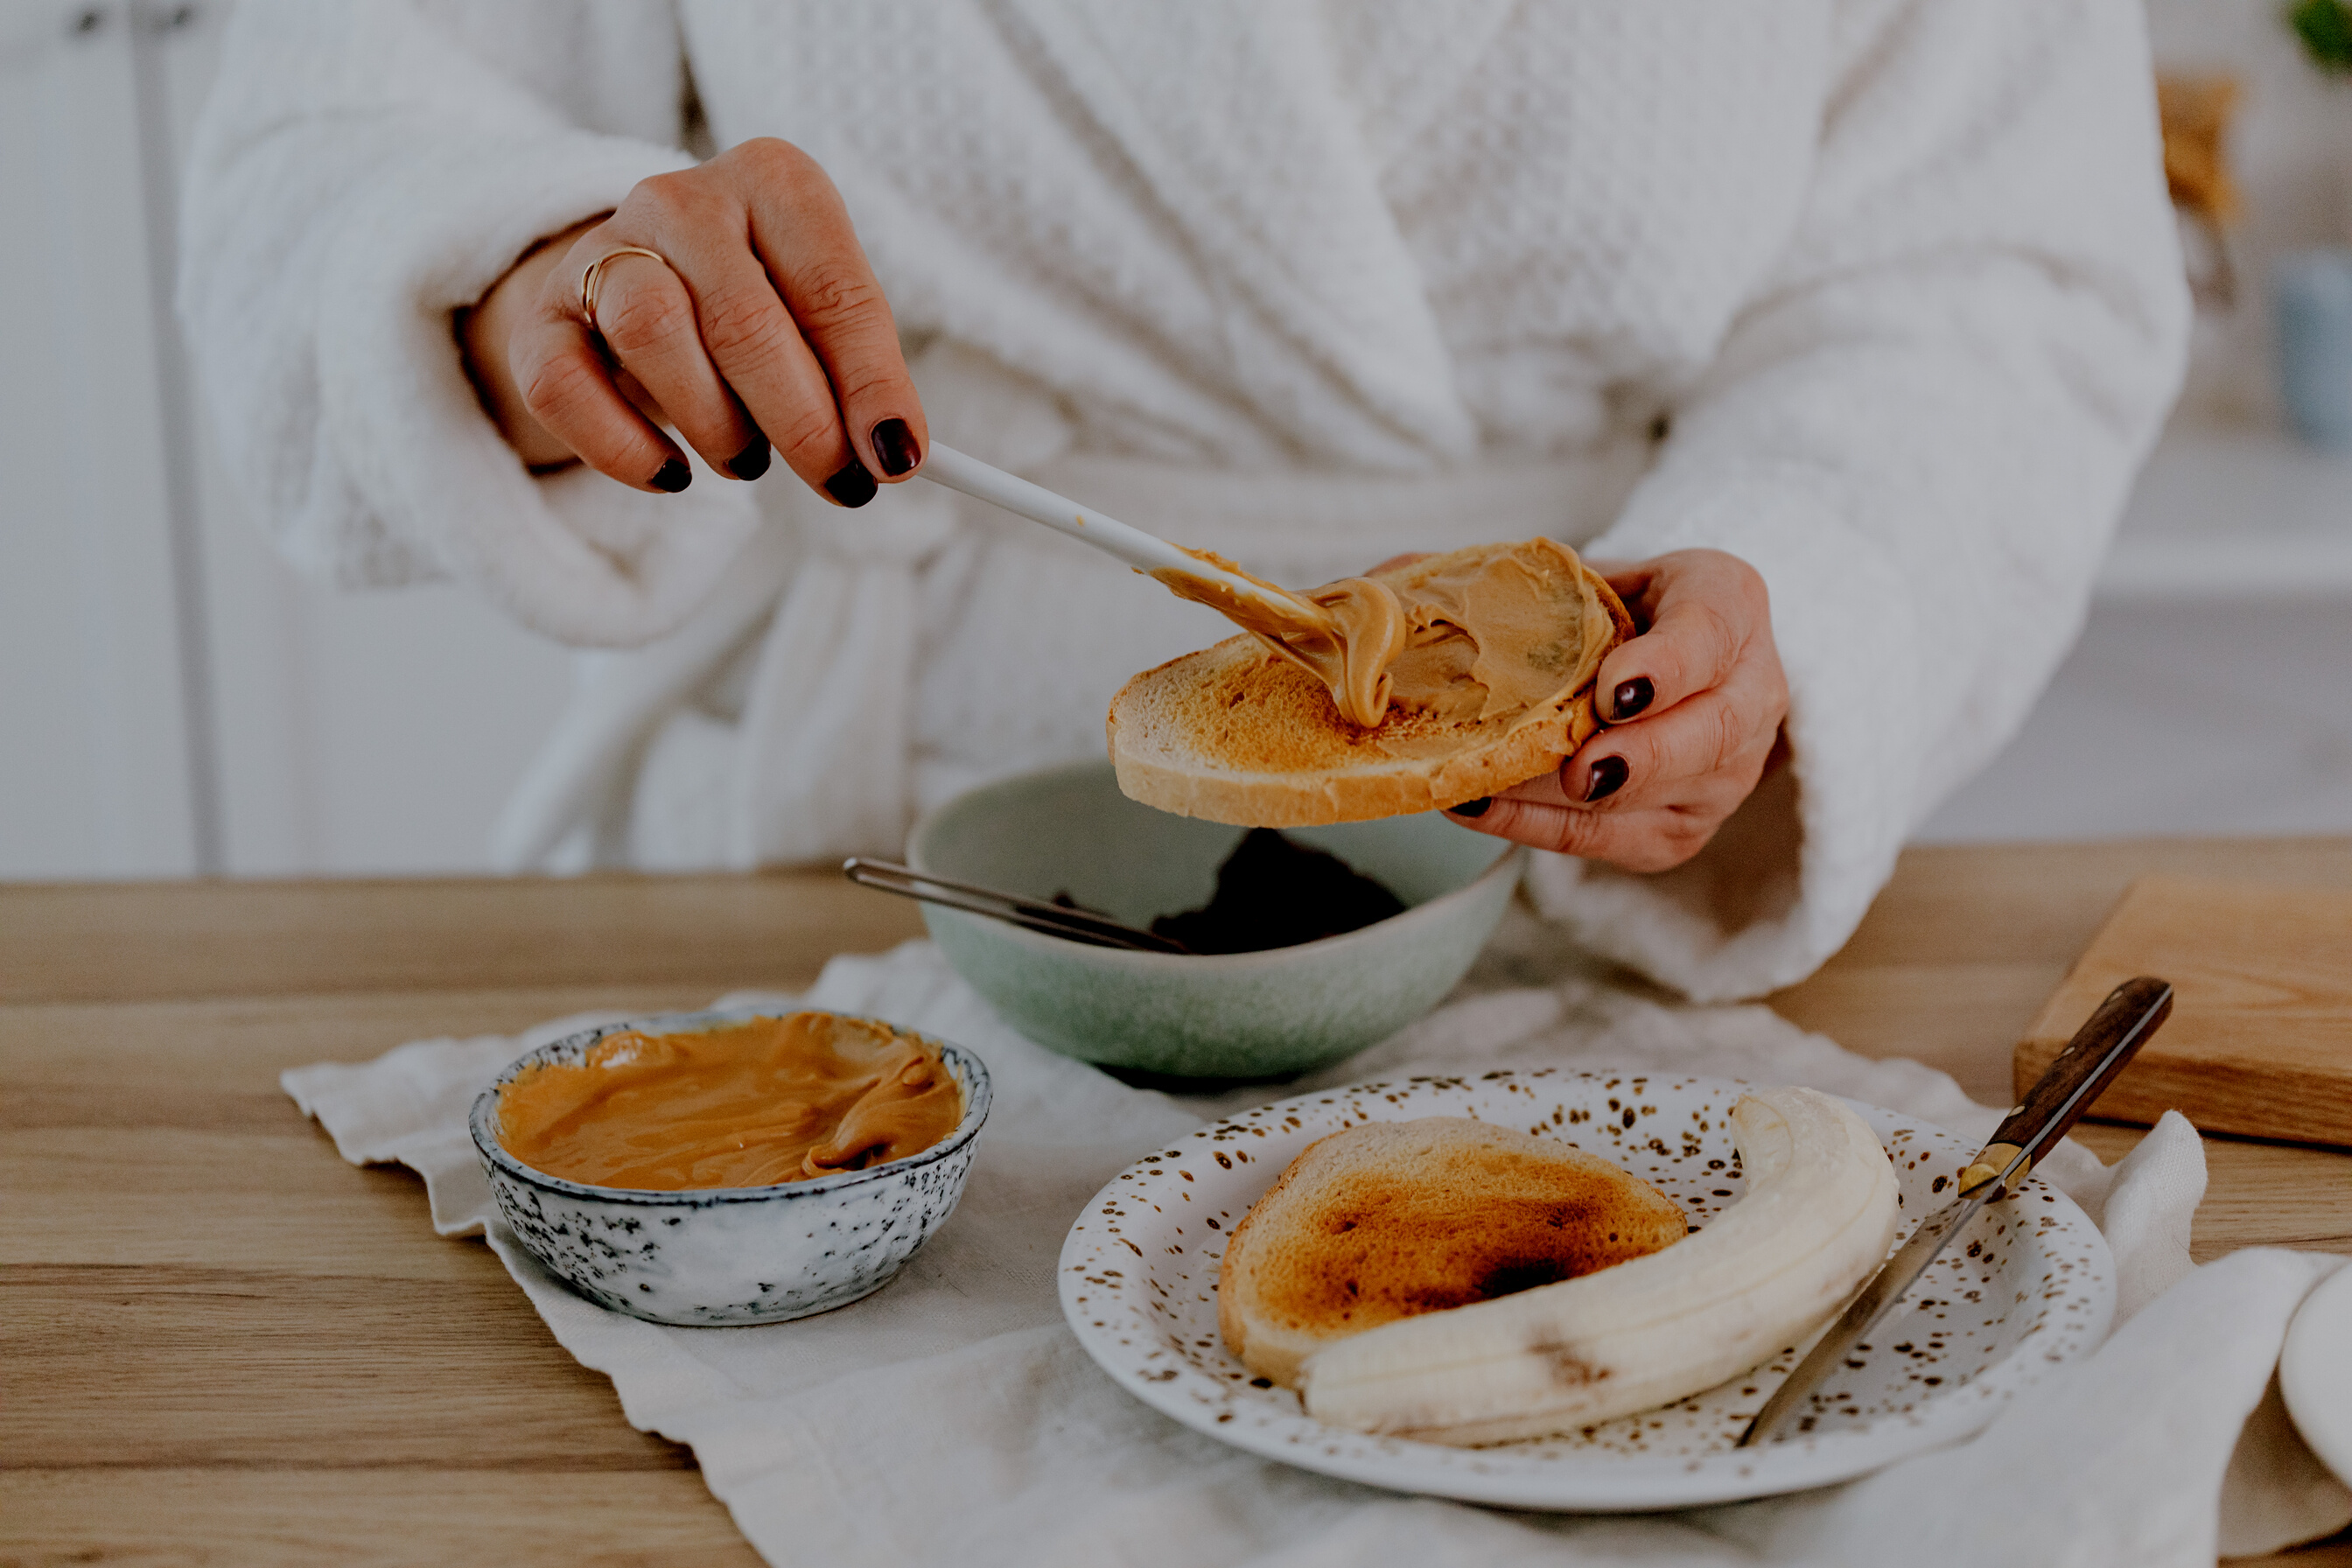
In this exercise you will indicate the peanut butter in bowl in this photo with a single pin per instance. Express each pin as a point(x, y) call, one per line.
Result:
point(732, 1167)
point(749, 1104)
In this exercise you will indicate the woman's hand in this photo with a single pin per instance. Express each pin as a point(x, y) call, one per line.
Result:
point(1692, 707)
point(765, 326)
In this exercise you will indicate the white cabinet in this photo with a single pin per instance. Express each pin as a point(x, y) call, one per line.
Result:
point(173, 700)
point(2211, 689)
point(97, 751)
point(2234, 513)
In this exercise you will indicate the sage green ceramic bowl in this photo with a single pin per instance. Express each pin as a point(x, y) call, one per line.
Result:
point(1242, 1016)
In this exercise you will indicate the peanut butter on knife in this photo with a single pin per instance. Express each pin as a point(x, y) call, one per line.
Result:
point(1344, 633)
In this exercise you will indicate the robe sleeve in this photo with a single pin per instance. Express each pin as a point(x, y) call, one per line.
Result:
point(362, 171)
point(1920, 429)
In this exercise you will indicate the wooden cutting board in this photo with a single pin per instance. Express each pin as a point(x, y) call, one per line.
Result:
point(2259, 1040)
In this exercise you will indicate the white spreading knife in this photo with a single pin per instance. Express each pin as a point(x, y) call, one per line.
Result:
point(1148, 554)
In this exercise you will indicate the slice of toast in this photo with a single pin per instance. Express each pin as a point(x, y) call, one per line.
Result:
point(1392, 1219)
point(1235, 733)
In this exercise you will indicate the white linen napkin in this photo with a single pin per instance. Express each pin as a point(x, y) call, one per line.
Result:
point(952, 1417)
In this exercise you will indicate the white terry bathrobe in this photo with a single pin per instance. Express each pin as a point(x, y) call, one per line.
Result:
point(1880, 295)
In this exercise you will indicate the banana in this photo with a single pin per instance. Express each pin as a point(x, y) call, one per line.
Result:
point(1818, 1216)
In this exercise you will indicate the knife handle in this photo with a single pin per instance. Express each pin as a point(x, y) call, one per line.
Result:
point(2099, 1050)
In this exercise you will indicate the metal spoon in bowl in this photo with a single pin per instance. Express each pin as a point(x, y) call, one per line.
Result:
point(1054, 920)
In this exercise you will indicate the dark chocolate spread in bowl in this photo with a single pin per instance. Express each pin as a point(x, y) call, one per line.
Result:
point(1272, 892)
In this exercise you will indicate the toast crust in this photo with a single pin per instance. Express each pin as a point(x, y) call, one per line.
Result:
point(1233, 734)
point(1392, 1219)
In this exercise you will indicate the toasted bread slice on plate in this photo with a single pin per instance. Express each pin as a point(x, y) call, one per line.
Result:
point(1392, 1219)
point(1494, 687)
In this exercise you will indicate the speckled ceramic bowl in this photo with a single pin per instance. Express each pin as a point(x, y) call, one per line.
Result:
point(721, 1256)
point(1252, 1015)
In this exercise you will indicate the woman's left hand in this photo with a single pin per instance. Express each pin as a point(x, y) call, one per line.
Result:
point(1691, 707)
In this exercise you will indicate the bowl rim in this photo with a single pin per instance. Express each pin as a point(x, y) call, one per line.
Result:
point(1510, 861)
point(977, 1098)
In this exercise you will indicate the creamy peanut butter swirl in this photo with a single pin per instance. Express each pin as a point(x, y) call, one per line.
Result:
point(1498, 633)
point(1489, 636)
point(1343, 633)
point(745, 1105)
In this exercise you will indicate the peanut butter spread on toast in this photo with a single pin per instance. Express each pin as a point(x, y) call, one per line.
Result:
point(1484, 638)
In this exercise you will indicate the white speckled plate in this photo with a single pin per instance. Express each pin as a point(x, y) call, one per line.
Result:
point(2029, 1285)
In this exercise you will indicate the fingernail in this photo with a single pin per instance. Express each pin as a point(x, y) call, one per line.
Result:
point(1630, 698)
point(674, 476)
point(751, 461)
point(894, 447)
point(1608, 775)
point(851, 486)
point(1472, 807)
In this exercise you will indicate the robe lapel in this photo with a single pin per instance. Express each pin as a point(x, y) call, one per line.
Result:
point(1234, 118)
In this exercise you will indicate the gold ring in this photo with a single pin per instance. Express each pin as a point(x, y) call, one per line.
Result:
point(590, 276)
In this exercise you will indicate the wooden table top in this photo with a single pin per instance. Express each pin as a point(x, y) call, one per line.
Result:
point(219, 1342)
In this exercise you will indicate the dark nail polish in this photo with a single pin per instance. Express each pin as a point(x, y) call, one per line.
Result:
point(674, 476)
point(1472, 807)
point(751, 461)
point(894, 447)
point(1608, 775)
point(851, 486)
point(1630, 698)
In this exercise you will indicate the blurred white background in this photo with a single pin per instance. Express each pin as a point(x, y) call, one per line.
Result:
point(177, 702)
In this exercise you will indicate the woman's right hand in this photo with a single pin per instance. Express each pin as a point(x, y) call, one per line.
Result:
point(766, 326)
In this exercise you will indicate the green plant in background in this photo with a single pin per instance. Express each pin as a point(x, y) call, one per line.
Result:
point(2325, 28)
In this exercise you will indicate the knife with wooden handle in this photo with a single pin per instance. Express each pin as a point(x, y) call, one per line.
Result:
point(2098, 1051)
